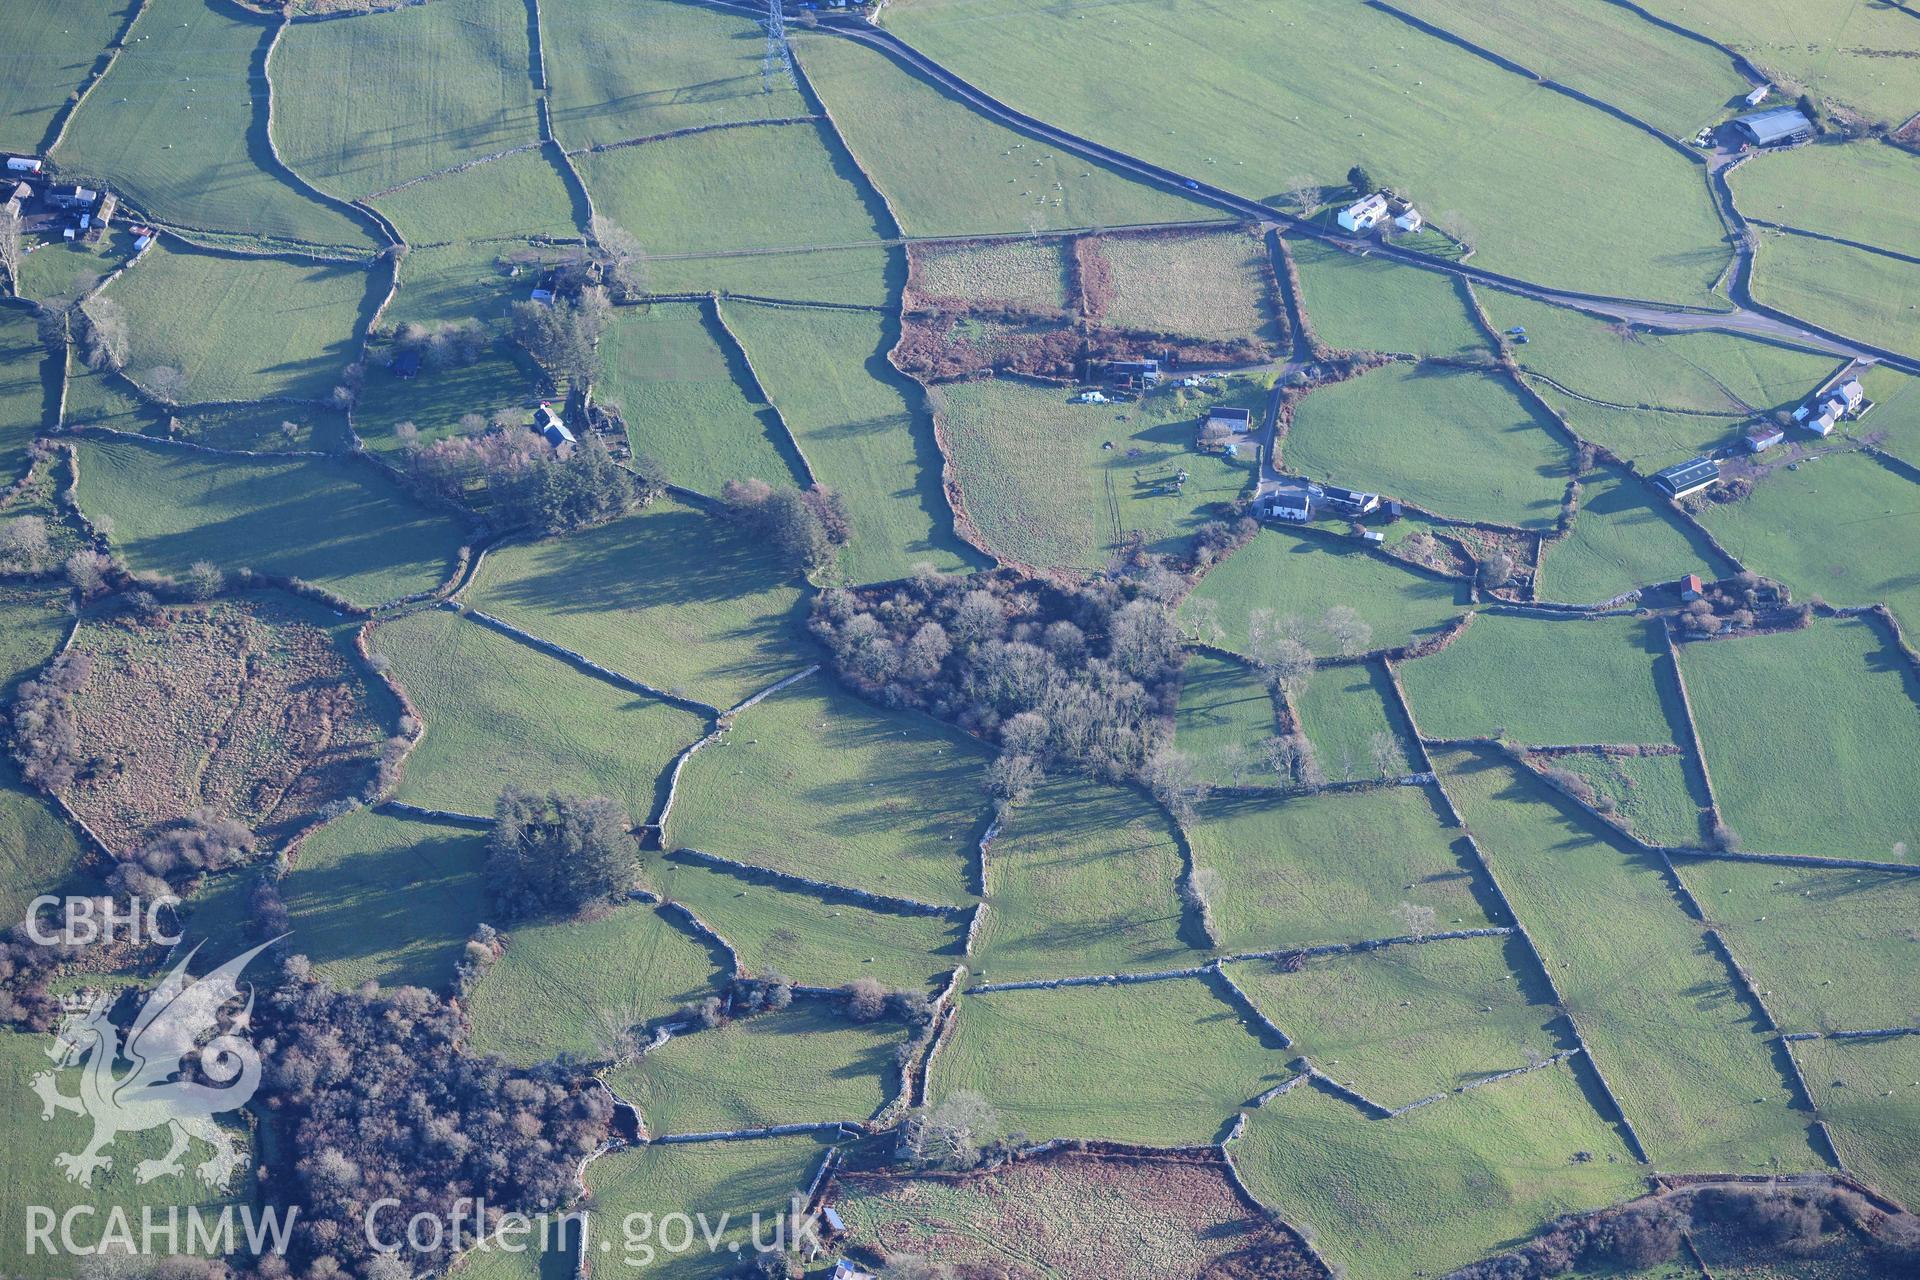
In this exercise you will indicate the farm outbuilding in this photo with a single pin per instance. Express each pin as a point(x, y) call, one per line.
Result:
point(1130, 373)
point(1687, 477)
point(1350, 501)
point(1763, 437)
point(1228, 418)
point(23, 164)
point(1691, 588)
point(72, 197)
point(1776, 127)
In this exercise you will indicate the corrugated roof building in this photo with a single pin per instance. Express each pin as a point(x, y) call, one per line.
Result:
point(1775, 127)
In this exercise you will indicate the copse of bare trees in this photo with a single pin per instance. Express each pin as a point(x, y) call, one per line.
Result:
point(807, 526)
point(1060, 677)
point(557, 853)
point(376, 1100)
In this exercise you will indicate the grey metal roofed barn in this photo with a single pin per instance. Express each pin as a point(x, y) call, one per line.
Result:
point(1774, 127)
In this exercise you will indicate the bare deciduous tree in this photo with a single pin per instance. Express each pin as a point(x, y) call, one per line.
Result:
point(105, 335)
point(1343, 624)
point(1175, 782)
point(167, 382)
point(1280, 656)
point(1385, 750)
point(1203, 616)
point(1416, 919)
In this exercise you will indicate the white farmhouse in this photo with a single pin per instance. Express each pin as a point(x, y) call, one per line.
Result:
point(1364, 215)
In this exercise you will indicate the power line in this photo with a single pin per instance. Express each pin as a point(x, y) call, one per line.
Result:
point(778, 58)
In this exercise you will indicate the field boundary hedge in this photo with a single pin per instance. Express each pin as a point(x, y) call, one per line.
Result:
point(804, 83)
point(819, 888)
point(690, 130)
point(1485, 865)
point(759, 388)
point(1544, 81)
point(1696, 746)
point(405, 810)
point(1278, 955)
point(103, 63)
point(580, 660)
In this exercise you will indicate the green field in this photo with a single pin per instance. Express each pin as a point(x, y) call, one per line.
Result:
point(1209, 285)
point(504, 379)
point(1544, 682)
point(1401, 1024)
point(37, 848)
point(1225, 714)
point(338, 524)
point(1093, 1062)
point(1686, 1054)
point(1082, 880)
point(863, 427)
point(1836, 48)
point(808, 1063)
point(47, 61)
point(1647, 438)
point(678, 599)
point(1812, 739)
point(811, 940)
point(711, 191)
point(244, 342)
point(682, 388)
point(32, 1179)
point(499, 713)
point(1834, 530)
point(723, 1184)
point(860, 274)
point(1704, 372)
point(575, 986)
point(1456, 442)
point(1259, 102)
point(815, 782)
point(516, 197)
point(1864, 191)
point(23, 391)
point(1438, 1187)
point(1624, 536)
point(1854, 292)
point(57, 272)
point(470, 231)
point(1027, 273)
point(1833, 948)
point(1894, 420)
point(1330, 868)
point(1868, 1092)
point(1341, 710)
point(1302, 577)
point(1654, 795)
point(180, 126)
point(386, 899)
point(1040, 483)
point(1357, 303)
point(1608, 51)
point(940, 163)
point(696, 66)
point(446, 83)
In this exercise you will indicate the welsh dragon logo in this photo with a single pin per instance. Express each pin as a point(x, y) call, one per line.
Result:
point(180, 1021)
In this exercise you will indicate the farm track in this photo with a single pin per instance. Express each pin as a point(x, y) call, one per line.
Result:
point(1747, 316)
